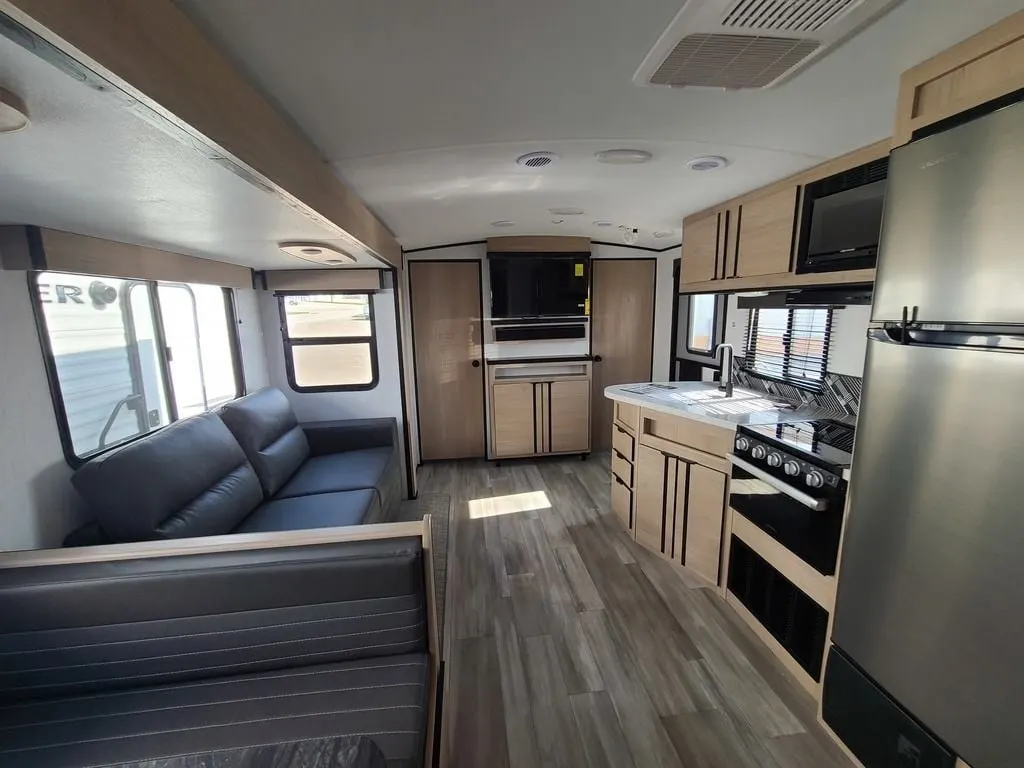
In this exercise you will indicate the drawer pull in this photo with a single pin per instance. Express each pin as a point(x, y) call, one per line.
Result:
point(619, 481)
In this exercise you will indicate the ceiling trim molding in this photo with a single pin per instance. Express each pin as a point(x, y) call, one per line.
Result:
point(408, 251)
point(155, 54)
point(538, 244)
point(639, 247)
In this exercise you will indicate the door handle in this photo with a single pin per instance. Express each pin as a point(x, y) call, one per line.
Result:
point(597, 358)
point(476, 363)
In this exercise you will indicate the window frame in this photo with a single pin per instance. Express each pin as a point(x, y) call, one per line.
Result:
point(800, 383)
point(73, 459)
point(328, 341)
point(716, 327)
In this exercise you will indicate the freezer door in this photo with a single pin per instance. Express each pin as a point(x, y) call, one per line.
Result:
point(952, 239)
point(931, 581)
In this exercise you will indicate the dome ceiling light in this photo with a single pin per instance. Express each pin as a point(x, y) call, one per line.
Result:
point(624, 156)
point(318, 253)
point(13, 113)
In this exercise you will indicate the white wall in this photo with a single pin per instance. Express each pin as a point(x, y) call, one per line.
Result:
point(383, 401)
point(250, 339)
point(38, 506)
point(849, 336)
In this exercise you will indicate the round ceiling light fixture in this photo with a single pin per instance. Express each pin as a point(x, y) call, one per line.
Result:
point(13, 113)
point(707, 163)
point(566, 211)
point(630, 235)
point(624, 156)
point(319, 253)
point(503, 223)
point(604, 224)
point(663, 233)
point(536, 159)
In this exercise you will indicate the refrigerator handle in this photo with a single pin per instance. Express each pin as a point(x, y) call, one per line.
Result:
point(884, 335)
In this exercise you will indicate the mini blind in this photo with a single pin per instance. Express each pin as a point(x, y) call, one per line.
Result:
point(789, 344)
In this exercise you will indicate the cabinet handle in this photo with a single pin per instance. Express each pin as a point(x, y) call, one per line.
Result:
point(476, 363)
point(617, 480)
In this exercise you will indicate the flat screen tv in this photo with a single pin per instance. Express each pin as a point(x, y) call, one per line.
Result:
point(535, 285)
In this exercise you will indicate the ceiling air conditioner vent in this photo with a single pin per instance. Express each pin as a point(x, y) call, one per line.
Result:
point(788, 15)
point(739, 44)
point(731, 61)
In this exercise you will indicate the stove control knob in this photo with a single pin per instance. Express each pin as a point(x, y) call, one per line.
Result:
point(742, 444)
point(760, 452)
point(814, 479)
point(792, 468)
point(774, 459)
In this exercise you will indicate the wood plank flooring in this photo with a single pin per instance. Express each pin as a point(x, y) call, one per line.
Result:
point(569, 645)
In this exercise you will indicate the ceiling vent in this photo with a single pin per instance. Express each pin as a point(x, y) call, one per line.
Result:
point(744, 44)
point(537, 159)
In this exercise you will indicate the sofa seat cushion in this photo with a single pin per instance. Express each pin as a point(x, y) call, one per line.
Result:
point(381, 698)
point(348, 471)
point(324, 510)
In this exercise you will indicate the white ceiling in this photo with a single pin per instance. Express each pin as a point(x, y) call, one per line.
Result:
point(90, 164)
point(423, 106)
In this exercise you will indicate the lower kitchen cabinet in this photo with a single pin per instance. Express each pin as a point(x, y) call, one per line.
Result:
point(569, 416)
point(680, 509)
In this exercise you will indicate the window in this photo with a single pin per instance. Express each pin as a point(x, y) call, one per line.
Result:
point(329, 341)
point(789, 344)
point(700, 323)
point(126, 357)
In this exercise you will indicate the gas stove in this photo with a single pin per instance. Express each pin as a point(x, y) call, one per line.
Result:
point(823, 441)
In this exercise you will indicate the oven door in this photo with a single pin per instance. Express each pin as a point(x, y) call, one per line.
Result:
point(805, 522)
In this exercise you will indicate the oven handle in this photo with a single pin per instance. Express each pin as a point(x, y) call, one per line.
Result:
point(806, 499)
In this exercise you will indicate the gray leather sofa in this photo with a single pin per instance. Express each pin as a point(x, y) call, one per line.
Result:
point(106, 663)
point(249, 467)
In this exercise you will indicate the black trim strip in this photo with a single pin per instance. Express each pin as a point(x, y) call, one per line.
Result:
point(686, 511)
point(718, 238)
point(635, 247)
point(539, 360)
point(231, 312)
point(548, 409)
point(163, 356)
point(664, 496)
point(739, 230)
point(410, 472)
point(535, 418)
point(446, 245)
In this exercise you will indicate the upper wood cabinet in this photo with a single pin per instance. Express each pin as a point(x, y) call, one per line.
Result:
point(701, 249)
point(978, 70)
point(765, 241)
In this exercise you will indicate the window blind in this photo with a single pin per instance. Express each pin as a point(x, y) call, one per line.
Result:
point(789, 344)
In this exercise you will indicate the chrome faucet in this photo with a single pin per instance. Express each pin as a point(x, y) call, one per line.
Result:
point(726, 376)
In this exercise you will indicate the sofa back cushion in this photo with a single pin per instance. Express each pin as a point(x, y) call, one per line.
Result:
point(189, 479)
point(77, 628)
point(265, 426)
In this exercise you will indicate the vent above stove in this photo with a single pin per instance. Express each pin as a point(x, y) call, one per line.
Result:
point(746, 44)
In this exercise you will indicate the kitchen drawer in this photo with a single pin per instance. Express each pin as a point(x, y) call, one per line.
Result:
point(622, 502)
point(623, 443)
point(622, 468)
point(688, 432)
point(628, 416)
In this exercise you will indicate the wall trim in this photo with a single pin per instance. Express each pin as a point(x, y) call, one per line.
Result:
point(408, 251)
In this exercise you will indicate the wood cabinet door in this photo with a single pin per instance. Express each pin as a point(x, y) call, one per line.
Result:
point(701, 240)
point(705, 513)
point(649, 497)
point(622, 330)
point(766, 234)
point(446, 315)
point(514, 411)
point(569, 416)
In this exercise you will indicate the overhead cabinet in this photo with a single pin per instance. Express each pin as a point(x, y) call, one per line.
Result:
point(536, 410)
point(750, 242)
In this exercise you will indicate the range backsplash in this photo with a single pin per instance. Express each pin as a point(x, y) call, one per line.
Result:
point(841, 393)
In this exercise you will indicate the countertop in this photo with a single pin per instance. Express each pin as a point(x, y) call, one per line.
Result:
point(746, 407)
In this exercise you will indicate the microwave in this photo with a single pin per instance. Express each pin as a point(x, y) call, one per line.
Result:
point(842, 220)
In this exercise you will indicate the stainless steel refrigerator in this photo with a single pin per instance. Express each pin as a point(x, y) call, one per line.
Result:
point(931, 585)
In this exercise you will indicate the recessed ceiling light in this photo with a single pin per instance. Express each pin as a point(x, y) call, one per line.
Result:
point(319, 253)
point(604, 224)
point(537, 159)
point(624, 156)
point(13, 113)
point(662, 233)
point(566, 211)
point(503, 223)
point(707, 163)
